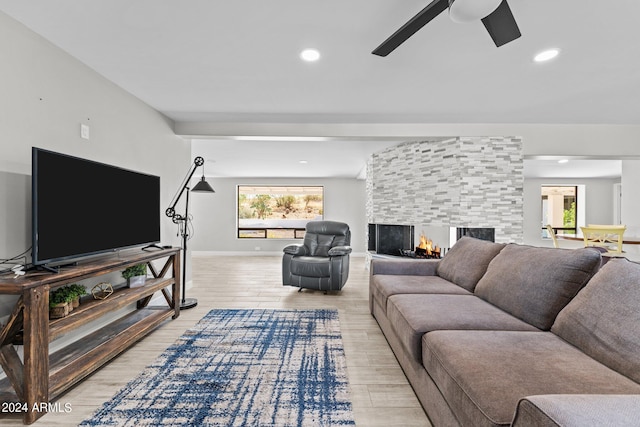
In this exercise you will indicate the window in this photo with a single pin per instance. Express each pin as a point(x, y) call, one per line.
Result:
point(559, 208)
point(277, 212)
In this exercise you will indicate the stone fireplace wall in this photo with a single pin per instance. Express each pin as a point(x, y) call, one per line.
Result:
point(456, 182)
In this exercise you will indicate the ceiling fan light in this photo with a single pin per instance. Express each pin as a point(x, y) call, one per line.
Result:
point(462, 11)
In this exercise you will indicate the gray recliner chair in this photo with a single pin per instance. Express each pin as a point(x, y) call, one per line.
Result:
point(322, 261)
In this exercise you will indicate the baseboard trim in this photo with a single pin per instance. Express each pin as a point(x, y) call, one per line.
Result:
point(251, 253)
point(235, 253)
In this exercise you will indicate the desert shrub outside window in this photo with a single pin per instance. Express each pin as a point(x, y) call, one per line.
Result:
point(277, 211)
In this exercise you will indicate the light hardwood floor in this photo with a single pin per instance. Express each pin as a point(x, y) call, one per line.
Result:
point(380, 392)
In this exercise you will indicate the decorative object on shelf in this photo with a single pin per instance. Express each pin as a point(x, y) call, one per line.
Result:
point(183, 221)
point(63, 300)
point(77, 291)
point(102, 290)
point(67, 295)
point(136, 275)
point(58, 305)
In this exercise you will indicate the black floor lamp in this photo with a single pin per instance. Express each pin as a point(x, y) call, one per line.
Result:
point(201, 187)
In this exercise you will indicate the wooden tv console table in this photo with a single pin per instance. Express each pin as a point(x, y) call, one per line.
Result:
point(31, 385)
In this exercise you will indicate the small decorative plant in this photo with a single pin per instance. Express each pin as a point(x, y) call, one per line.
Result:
point(68, 296)
point(76, 291)
point(57, 298)
point(135, 270)
point(58, 304)
point(136, 275)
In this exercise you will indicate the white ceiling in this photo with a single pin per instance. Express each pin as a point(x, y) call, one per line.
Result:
point(287, 159)
point(237, 61)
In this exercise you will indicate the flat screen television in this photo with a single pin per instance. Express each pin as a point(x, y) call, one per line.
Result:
point(81, 208)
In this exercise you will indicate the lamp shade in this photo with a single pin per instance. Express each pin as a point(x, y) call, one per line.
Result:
point(471, 10)
point(203, 187)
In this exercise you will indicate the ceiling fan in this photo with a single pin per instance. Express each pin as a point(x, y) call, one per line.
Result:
point(495, 15)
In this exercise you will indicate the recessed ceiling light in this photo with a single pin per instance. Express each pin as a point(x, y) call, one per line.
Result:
point(303, 162)
point(563, 161)
point(546, 55)
point(310, 55)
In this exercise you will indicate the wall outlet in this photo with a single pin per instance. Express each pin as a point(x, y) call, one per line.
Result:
point(84, 131)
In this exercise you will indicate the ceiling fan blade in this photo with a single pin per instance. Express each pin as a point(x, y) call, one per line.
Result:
point(407, 30)
point(501, 25)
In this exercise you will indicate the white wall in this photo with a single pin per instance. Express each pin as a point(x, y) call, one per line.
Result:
point(630, 199)
point(214, 215)
point(15, 208)
point(598, 206)
point(46, 95)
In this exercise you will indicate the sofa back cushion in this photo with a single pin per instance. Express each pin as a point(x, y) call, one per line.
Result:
point(603, 320)
point(467, 261)
point(533, 283)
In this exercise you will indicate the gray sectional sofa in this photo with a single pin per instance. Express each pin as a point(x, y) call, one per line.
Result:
point(499, 335)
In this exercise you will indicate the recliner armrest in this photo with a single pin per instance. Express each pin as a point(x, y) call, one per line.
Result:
point(295, 250)
point(340, 251)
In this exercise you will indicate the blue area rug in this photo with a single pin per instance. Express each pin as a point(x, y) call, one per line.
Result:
point(242, 368)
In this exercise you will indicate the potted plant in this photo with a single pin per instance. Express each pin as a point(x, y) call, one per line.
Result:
point(58, 305)
point(68, 296)
point(76, 291)
point(136, 275)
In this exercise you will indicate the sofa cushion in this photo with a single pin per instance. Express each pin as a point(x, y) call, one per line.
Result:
point(534, 284)
point(603, 320)
point(483, 374)
point(383, 286)
point(404, 266)
point(578, 410)
point(411, 316)
point(466, 262)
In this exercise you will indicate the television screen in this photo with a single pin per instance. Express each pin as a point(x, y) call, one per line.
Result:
point(81, 207)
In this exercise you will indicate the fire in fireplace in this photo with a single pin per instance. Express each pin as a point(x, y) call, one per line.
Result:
point(426, 248)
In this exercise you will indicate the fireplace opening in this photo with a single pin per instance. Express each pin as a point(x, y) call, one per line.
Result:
point(426, 249)
point(390, 239)
point(483, 233)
